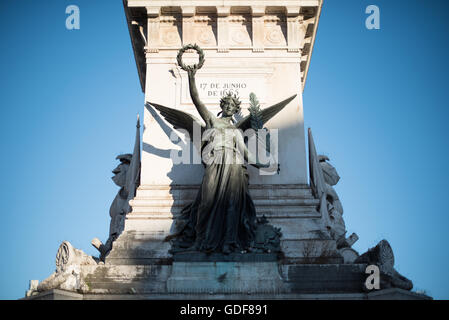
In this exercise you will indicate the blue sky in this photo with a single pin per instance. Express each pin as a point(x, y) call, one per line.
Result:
point(375, 99)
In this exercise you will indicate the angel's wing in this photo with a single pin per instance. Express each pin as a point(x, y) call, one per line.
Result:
point(267, 114)
point(179, 119)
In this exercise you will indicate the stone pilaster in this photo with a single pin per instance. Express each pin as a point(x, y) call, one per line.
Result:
point(153, 33)
point(295, 33)
point(188, 14)
point(258, 13)
point(223, 28)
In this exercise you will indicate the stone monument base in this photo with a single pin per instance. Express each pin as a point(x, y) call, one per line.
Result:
point(224, 278)
point(230, 280)
point(386, 294)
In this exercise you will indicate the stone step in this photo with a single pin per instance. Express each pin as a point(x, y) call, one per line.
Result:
point(127, 278)
point(281, 192)
point(258, 201)
point(168, 211)
point(225, 277)
point(189, 192)
point(318, 278)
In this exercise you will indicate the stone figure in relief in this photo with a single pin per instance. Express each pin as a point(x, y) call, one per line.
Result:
point(333, 204)
point(222, 218)
point(119, 206)
point(127, 177)
point(323, 176)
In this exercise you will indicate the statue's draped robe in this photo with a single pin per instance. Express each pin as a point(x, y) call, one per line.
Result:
point(223, 212)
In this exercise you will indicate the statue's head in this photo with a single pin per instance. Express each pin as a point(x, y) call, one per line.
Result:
point(230, 104)
point(330, 174)
point(119, 172)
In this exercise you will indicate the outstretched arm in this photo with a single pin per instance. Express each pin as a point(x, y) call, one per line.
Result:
point(202, 110)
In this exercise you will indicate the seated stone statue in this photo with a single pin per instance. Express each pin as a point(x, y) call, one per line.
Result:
point(127, 177)
point(119, 207)
point(331, 206)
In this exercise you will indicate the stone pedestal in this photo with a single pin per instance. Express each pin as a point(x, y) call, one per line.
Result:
point(260, 47)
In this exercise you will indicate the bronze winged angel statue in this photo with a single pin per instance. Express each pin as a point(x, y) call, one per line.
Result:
point(222, 218)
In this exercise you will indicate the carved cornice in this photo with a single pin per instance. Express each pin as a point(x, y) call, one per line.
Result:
point(288, 26)
point(217, 3)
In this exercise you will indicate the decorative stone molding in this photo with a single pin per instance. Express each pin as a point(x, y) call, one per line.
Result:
point(188, 11)
point(153, 11)
point(223, 11)
point(292, 11)
point(224, 27)
point(283, 26)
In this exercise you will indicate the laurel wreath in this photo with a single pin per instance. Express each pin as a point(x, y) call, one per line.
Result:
point(198, 50)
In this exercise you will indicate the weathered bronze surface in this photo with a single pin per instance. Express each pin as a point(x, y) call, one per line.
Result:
point(223, 216)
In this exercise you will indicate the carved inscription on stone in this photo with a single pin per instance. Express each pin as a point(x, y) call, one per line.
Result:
point(212, 89)
point(219, 89)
